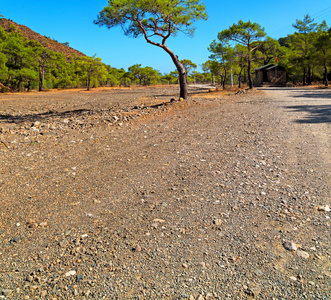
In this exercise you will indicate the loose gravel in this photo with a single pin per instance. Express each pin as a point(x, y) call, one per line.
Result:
point(125, 194)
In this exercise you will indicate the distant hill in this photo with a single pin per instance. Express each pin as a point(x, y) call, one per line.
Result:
point(47, 42)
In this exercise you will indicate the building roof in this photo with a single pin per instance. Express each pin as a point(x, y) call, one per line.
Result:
point(264, 67)
point(277, 67)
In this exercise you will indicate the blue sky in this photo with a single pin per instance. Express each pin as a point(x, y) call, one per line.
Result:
point(72, 21)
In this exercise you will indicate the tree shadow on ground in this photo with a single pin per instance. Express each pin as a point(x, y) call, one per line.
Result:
point(316, 113)
point(8, 118)
point(321, 95)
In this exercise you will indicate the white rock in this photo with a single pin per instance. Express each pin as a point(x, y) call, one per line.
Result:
point(159, 220)
point(218, 222)
point(303, 254)
point(71, 273)
point(324, 208)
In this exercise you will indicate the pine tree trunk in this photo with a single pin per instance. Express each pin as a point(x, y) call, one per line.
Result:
point(224, 79)
point(181, 71)
point(250, 79)
point(89, 80)
point(326, 75)
point(309, 76)
point(304, 76)
point(41, 78)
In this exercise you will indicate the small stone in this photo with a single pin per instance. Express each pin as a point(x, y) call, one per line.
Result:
point(293, 278)
point(303, 254)
point(155, 225)
point(159, 220)
point(43, 224)
point(43, 293)
point(253, 291)
point(32, 224)
point(79, 278)
point(185, 265)
point(63, 243)
point(15, 239)
point(6, 292)
point(36, 124)
point(325, 208)
point(70, 273)
point(181, 99)
point(137, 248)
point(218, 222)
point(258, 272)
point(290, 246)
point(201, 297)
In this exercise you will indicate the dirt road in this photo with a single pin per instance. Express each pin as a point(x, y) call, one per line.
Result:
point(218, 197)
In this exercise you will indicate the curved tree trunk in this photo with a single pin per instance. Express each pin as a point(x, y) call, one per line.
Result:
point(181, 71)
point(180, 68)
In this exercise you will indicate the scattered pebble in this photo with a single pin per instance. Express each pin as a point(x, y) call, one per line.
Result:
point(290, 246)
point(70, 273)
point(325, 208)
point(302, 254)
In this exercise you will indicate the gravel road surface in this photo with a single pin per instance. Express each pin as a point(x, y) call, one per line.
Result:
point(113, 195)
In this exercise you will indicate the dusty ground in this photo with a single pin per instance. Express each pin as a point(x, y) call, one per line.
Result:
point(110, 195)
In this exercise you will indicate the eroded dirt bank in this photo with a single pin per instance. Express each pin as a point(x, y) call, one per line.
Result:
point(103, 196)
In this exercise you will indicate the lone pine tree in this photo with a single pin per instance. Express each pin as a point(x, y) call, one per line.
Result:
point(156, 21)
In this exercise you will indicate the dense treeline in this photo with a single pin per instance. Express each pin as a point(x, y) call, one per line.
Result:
point(26, 65)
point(306, 54)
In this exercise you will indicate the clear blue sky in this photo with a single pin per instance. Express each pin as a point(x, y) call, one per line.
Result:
point(72, 21)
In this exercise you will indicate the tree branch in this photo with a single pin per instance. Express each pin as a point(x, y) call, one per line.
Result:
point(141, 26)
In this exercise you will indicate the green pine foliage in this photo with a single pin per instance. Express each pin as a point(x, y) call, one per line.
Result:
point(306, 54)
point(26, 65)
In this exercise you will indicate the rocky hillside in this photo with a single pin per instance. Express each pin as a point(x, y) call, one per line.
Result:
point(45, 41)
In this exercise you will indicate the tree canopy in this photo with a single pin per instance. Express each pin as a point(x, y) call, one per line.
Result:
point(247, 34)
point(156, 21)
